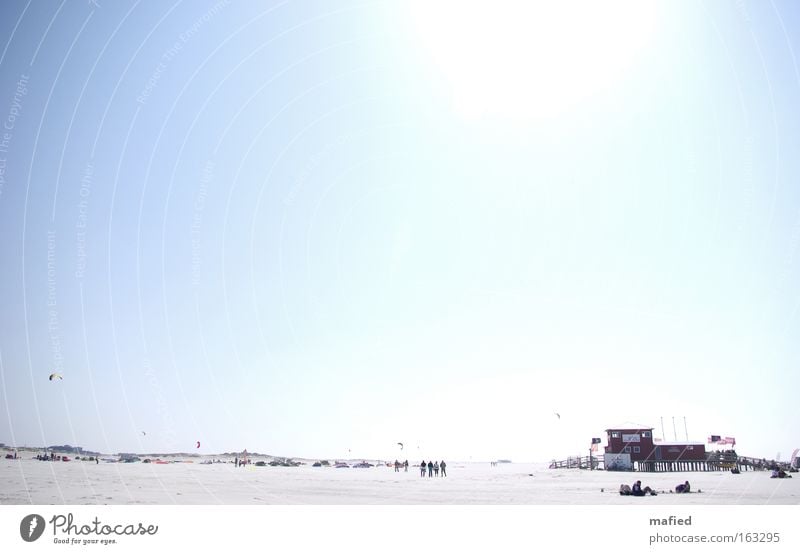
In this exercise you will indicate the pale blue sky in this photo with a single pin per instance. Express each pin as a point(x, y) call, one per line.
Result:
point(307, 229)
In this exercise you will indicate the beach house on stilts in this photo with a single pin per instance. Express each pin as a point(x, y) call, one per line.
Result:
point(632, 446)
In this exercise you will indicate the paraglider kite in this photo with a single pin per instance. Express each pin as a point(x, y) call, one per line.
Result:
point(54, 376)
point(401, 445)
point(198, 444)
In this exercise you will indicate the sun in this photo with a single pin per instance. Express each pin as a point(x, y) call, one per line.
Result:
point(523, 59)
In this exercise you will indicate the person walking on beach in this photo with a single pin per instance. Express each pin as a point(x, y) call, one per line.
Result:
point(405, 465)
point(442, 466)
point(436, 469)
point(422, 467)
point(430, 469)
point(396, 466)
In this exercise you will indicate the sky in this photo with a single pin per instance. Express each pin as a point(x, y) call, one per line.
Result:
point(319, 229)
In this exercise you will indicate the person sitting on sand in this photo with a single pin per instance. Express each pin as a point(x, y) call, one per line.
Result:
point(624, 490)
point(637, 490)
point(684, 487)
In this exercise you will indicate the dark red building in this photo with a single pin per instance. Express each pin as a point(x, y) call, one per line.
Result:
point(640, 445)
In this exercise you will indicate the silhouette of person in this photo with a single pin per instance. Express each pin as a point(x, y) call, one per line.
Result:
point(430, 469)
point(422, 467)
point(442, 466)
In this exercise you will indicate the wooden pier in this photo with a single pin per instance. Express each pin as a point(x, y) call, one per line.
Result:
point(660, 467)
point(577, 462)
point(715, 461)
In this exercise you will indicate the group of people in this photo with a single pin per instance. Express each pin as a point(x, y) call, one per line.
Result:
point(637, 490)
point(433, 468)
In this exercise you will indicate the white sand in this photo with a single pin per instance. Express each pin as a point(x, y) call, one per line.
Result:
point(25, 481)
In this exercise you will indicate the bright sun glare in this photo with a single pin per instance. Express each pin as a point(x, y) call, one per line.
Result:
point(520, 59)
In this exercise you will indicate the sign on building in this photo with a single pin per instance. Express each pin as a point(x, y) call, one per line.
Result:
point(619, 462)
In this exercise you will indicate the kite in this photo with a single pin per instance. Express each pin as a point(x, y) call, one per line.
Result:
point(401, 445)
point(54, 376)
point(558, 415)
point(198, 444)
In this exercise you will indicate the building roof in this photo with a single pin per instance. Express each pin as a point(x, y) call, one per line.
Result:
point(631, 426)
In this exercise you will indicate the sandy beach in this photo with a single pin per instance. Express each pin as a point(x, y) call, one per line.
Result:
point(26, 481)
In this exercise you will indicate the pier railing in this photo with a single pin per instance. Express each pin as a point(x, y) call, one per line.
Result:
point(578, 462)
point(725, 460)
